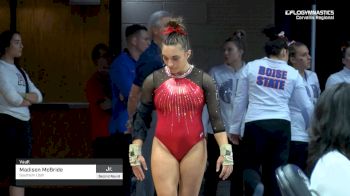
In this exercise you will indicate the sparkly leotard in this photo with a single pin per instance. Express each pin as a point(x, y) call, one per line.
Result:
point(179, 104)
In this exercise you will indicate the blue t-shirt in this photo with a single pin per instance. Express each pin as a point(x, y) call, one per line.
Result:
point(149, 61)
point(122, 74)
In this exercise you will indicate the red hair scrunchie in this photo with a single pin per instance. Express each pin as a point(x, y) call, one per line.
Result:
point(170, 29)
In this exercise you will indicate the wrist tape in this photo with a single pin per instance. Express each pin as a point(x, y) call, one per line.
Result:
point(226, 152)
point(134, 152)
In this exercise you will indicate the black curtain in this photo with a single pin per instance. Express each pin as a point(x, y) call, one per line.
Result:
point(330, 34)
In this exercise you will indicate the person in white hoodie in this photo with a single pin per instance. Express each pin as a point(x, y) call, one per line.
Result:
point(17, 93)
point(329, 148)
point(300, 59)
point(226, 77)
point(267, 85)
point(344, 74)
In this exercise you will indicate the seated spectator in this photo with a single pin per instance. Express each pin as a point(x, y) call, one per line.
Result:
point(329, 149)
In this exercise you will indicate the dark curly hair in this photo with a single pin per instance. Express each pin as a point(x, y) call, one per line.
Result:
point(5, 39)
point(277, 40)
point(95, 54)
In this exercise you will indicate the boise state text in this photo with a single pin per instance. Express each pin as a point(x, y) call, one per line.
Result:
point(272, 78)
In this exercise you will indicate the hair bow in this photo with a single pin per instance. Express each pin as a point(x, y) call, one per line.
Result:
point(170, 29)
point(291, 42)
point(281, 34)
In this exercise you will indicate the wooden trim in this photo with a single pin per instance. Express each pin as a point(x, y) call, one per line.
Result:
point(115, 26)
point(13, 15)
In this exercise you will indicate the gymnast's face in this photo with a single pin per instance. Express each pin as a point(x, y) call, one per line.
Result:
point(176, 58)
point(16, 46)
point(302, 59)
point(232, 53)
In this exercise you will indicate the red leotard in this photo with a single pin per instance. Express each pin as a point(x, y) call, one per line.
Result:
point(179, 104)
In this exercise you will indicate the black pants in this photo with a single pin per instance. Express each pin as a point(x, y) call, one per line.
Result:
point(298, 154)
point(114, 146)
point(212, 177)
point(15, 142)
point(265, 147)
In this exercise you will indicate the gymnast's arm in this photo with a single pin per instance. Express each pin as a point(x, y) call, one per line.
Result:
point(225, 159)
point(143, 116)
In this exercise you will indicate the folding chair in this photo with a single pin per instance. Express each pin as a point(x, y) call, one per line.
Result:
point(292, 181)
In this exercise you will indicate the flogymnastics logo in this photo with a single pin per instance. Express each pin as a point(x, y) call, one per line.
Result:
point(311, 14)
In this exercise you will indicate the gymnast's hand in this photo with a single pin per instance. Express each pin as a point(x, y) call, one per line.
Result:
point(225, 160)
point(136, 161)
